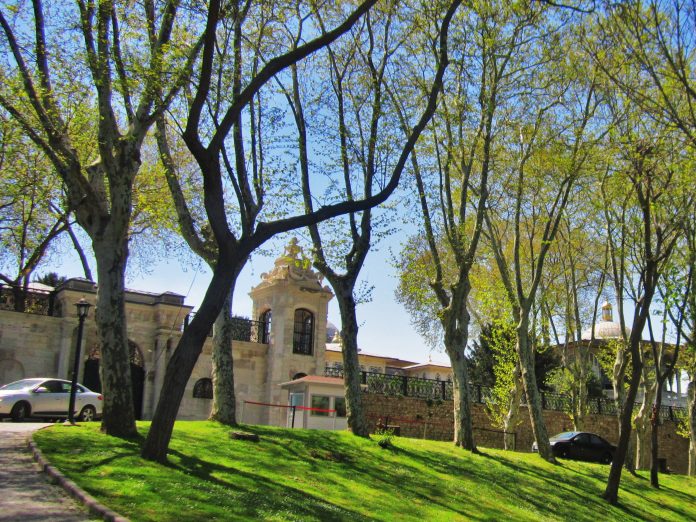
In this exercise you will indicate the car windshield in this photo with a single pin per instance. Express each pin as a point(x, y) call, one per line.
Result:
point(21, 385)
point(563, 436)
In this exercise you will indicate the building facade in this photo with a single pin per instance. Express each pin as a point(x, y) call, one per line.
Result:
point(286, 340)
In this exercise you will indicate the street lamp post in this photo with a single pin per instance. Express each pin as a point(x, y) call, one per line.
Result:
point(82, 310)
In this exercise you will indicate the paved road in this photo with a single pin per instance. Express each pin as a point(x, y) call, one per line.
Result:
point(25, 493)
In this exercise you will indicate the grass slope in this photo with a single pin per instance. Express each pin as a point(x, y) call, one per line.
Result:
point(320, 475)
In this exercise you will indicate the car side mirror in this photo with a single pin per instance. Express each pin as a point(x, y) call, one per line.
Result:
point(41, 389)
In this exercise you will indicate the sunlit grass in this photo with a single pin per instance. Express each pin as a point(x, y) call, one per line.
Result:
point(320, 475)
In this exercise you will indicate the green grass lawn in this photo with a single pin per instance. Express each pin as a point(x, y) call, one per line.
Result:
point(320, 475)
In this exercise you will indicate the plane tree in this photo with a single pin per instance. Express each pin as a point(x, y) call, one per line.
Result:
point(213, 138)
point(643, 230)
point(652, 71)
point(552, 152)
point(115, 59)
point(361, 144)
point(497, 46)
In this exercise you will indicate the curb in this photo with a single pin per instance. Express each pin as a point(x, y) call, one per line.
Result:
point(56, 477)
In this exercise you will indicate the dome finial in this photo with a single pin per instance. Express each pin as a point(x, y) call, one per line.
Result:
point(607, 312)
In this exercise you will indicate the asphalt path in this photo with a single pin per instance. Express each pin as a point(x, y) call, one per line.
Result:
point(25, 493)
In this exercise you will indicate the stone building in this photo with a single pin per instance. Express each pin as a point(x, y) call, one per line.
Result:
point(601, 336)
point(285, 341)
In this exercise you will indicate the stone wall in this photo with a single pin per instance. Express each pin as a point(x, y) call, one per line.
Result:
point(30, 344)
point(434, 420)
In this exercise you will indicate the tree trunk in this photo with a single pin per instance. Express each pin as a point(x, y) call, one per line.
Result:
point(224, 401)
point(19, 295)
point(654, 432)
point(630, 463)
point(611, 493)
point(526, 357)
point(582, 406)
point(511, 419)
point(118, 418)
point(642, 424)
point(455, 321)
point(691, 412)
point(184, 359)
point(463, 429)
point(618, 373)
point(351, 367)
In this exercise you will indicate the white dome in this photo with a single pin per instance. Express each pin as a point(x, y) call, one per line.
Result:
point(605, 330)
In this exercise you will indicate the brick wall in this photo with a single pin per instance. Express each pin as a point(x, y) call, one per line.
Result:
point(434, 420)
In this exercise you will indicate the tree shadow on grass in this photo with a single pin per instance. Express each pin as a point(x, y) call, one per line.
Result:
point(360, 460)
point(534, 490)
point(257, 495)
point(593, 502)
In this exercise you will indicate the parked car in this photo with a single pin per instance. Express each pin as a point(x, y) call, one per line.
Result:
point(48, 398)
point(581, 445)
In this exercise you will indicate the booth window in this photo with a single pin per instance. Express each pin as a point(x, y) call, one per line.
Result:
point(321, 402)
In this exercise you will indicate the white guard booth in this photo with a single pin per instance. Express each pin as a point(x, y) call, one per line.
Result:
point(319, 403)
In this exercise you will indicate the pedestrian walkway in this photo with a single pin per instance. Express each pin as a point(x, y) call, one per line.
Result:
point(25, 493)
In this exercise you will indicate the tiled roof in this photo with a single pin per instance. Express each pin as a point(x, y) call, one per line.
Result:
point(428, 365)
point(320, 379)
point(334, 347)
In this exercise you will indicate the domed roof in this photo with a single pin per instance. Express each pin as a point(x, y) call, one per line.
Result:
point(331, 332)
point(607, 328)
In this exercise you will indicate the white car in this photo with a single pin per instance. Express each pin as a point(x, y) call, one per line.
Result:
point(49, 398)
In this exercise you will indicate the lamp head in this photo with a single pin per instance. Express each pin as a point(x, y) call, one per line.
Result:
point(82, 308)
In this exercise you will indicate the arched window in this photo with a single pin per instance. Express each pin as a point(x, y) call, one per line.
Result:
point(203, 389)
point(303, 335)
point(265, 326)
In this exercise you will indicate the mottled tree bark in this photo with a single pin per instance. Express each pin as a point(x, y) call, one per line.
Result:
point(536, 415)
point(512, 417)
point(642, 423)
point(463, 427)
point(224, 399)
point(618, 375)
point(118, 418)
point(455, 320)
point(357, 422)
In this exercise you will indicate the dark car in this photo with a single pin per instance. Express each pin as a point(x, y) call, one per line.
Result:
point(581, 445)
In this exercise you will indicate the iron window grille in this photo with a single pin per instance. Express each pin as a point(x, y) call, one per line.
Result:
point(303, 334)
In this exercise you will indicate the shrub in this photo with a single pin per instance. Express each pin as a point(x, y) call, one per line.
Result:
point(384, 437)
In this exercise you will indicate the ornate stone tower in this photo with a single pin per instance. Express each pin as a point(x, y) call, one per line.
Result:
point(293, 304)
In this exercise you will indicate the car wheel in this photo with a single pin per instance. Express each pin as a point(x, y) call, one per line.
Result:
point(563, 453)
point(88, 414)
point(607, 458)
point(20, 411)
